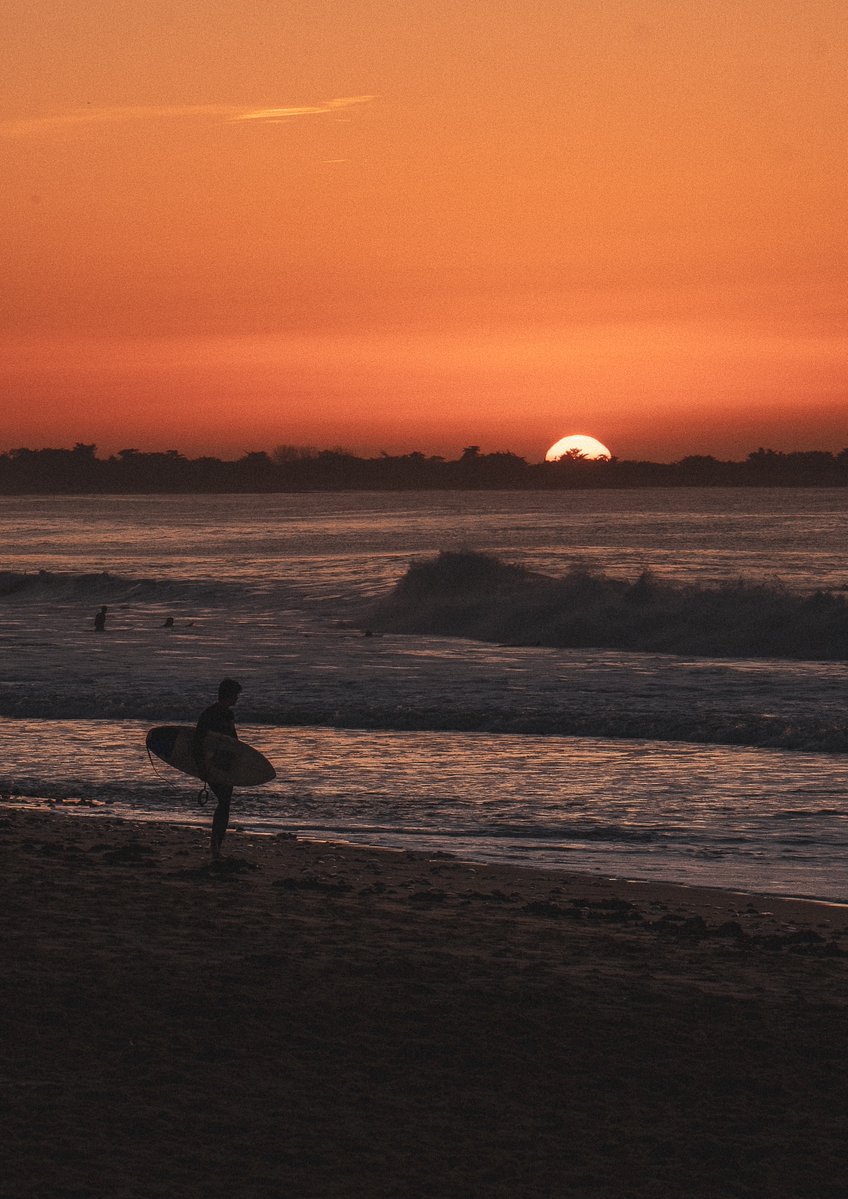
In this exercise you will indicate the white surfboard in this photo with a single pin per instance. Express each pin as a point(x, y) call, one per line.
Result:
point(225, 760)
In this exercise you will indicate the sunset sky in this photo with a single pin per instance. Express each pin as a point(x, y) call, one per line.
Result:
point(231, 224)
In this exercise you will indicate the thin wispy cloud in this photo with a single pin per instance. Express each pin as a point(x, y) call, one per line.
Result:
point(283, 114)
point(115, 115)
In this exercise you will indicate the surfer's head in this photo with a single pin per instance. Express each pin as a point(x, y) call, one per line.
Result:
point(228, 691)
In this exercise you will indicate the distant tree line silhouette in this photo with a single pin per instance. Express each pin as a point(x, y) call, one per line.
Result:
point(292, 468)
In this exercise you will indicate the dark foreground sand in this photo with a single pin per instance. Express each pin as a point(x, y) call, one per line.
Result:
point(317, 1020)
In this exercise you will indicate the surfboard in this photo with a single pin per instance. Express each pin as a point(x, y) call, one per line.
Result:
point(227, 761)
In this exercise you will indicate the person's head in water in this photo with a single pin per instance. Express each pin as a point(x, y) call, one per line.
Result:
point(228, 692)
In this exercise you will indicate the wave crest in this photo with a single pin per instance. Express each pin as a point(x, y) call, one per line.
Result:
point(469, 594)
point(46, 586)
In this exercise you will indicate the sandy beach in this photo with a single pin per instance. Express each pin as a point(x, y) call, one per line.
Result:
point(313, 1019)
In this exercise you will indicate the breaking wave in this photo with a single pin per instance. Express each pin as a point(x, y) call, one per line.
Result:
point(96, 587)
point(476, 595)
point(70, 587)
point(300, 646)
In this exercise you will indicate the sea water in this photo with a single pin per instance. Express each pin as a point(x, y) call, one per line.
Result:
point(422, 742)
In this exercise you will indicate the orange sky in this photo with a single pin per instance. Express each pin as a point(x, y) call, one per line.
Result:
point(228, 224)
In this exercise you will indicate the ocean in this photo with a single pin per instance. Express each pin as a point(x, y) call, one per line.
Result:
point(725, 772)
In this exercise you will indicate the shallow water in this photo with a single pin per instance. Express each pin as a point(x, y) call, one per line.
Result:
point(721, 816)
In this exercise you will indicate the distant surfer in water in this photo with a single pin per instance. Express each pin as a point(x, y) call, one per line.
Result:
point(100, 620)
point(218, 718)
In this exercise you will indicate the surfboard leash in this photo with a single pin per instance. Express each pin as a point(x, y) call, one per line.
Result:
point(202, 797)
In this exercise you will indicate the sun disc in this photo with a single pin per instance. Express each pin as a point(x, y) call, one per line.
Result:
point(577, 445)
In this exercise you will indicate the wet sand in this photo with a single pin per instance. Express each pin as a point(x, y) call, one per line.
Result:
point(319, 1020)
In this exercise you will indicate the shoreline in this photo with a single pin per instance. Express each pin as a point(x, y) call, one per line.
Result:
point(322, 1019)
point(99, 810)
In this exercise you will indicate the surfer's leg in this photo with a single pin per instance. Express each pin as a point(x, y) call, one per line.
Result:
point(221, 818)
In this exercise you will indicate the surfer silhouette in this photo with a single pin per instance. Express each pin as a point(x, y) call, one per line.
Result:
point(218, 718)
point(100, 620)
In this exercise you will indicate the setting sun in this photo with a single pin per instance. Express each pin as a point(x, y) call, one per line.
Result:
point(577, 444)
point(376, 249)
